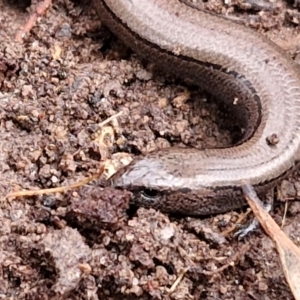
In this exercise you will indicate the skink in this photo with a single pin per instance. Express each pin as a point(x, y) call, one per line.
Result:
point(252, 75)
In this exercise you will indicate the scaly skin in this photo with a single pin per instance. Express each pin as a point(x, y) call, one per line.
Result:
point(253, 76)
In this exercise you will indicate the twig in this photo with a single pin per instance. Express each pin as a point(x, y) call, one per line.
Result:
point(234, 258)
point(177, 281)
point(40, 10)
point(57, 189)
point(110, 119)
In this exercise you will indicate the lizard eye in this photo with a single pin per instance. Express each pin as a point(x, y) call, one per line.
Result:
point(149, 194)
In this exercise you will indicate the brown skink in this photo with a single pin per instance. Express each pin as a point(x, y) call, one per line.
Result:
point(252, 75)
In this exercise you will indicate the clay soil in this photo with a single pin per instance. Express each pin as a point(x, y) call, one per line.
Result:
point(56, 88)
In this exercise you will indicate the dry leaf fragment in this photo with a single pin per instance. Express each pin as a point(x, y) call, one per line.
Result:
point(289, 253)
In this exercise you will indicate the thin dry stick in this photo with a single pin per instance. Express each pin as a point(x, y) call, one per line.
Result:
point(234, 258)
point(60, 189)
point(177, 281)
point(110, 119)
point(284, 214)
point(239, 221)
point(40, 10)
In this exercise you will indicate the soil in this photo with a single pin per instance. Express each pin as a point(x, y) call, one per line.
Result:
point(56, 88)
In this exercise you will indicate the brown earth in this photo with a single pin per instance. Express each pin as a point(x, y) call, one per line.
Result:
point(69, 75)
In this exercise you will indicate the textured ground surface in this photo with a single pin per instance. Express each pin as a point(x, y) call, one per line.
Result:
point(56, 88)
